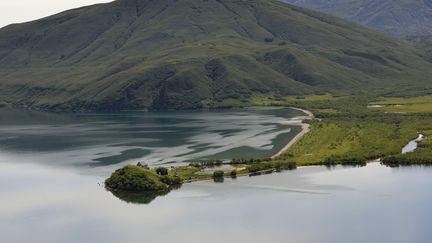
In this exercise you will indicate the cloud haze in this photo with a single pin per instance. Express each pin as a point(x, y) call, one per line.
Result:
point(19, 11)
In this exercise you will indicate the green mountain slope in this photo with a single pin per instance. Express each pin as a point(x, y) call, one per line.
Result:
point(394, 17)
point(176, 54)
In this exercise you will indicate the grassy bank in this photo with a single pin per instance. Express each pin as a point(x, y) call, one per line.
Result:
point(347, 130)
point(367, 138)
point(421, 156)
point(404, 105)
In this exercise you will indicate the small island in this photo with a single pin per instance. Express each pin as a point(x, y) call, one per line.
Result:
point(135, 178)
point(142, 179)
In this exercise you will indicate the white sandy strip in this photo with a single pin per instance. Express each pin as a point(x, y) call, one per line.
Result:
point(305, 129)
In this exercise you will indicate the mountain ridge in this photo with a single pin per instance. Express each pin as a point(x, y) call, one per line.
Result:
point(404, 18)
point(185, 54)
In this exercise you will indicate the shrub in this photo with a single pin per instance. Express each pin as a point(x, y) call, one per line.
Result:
point(336, 160)
point(259, 167)
point(206, 163)
point(195, 164)
point(218, 174)
point(290, 166)
point(135, 178)
point(268, 39)
point(171, 180)
point(143, 165)
point(162, 171)
point(233, 173)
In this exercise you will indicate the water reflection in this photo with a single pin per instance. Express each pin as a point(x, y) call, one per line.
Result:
point(105, 140)
point(141, 197)
point(218, 180)
point(313, 205)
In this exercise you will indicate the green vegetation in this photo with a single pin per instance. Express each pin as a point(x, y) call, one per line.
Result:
point(162, 171)
point(310, 98)
point(188, 172)
point(258, 168)
point(407, 104)
point(421, 156)
point(233, 173)
point(218, 174)
point(170, 54)
point(404, 100)
point(139, 197)
point(354, 134)
point(137, 179)
point(206, 163)
point(273, 99)
point(352, 139)
point(171, 180)
point(423, 43)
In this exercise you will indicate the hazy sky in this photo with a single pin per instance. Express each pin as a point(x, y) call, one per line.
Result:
point(17, 11)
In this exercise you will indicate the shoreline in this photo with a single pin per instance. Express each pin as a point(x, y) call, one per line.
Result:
point(305, 129)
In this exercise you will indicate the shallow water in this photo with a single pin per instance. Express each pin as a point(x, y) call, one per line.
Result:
point(314, 204)
point(109, 140)
point(412, 145)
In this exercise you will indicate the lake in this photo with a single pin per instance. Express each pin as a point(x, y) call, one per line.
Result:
point(314, 204)
point(105, 141)
point(52, 168)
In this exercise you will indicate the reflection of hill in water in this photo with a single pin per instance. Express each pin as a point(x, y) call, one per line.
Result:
point(140, 197)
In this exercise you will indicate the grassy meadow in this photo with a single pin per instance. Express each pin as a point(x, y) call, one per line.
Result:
point(345, 129)
point(408, 105)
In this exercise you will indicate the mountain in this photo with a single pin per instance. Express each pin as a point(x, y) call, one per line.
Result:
point(394, 17)
point(182, 54)
point(423, 43)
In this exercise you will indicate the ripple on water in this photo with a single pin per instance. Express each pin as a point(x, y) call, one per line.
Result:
point(156, 137)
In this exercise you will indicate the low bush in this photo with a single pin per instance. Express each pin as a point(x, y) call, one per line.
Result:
point(259, 167)
point(171, 180)
point(218, 174)
point(162, 171)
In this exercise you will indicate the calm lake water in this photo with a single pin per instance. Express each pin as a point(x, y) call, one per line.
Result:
point(52, 169)
point(314, 204)
point(106, 141)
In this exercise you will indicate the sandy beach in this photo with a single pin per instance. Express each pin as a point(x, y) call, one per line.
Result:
point(299, 122)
